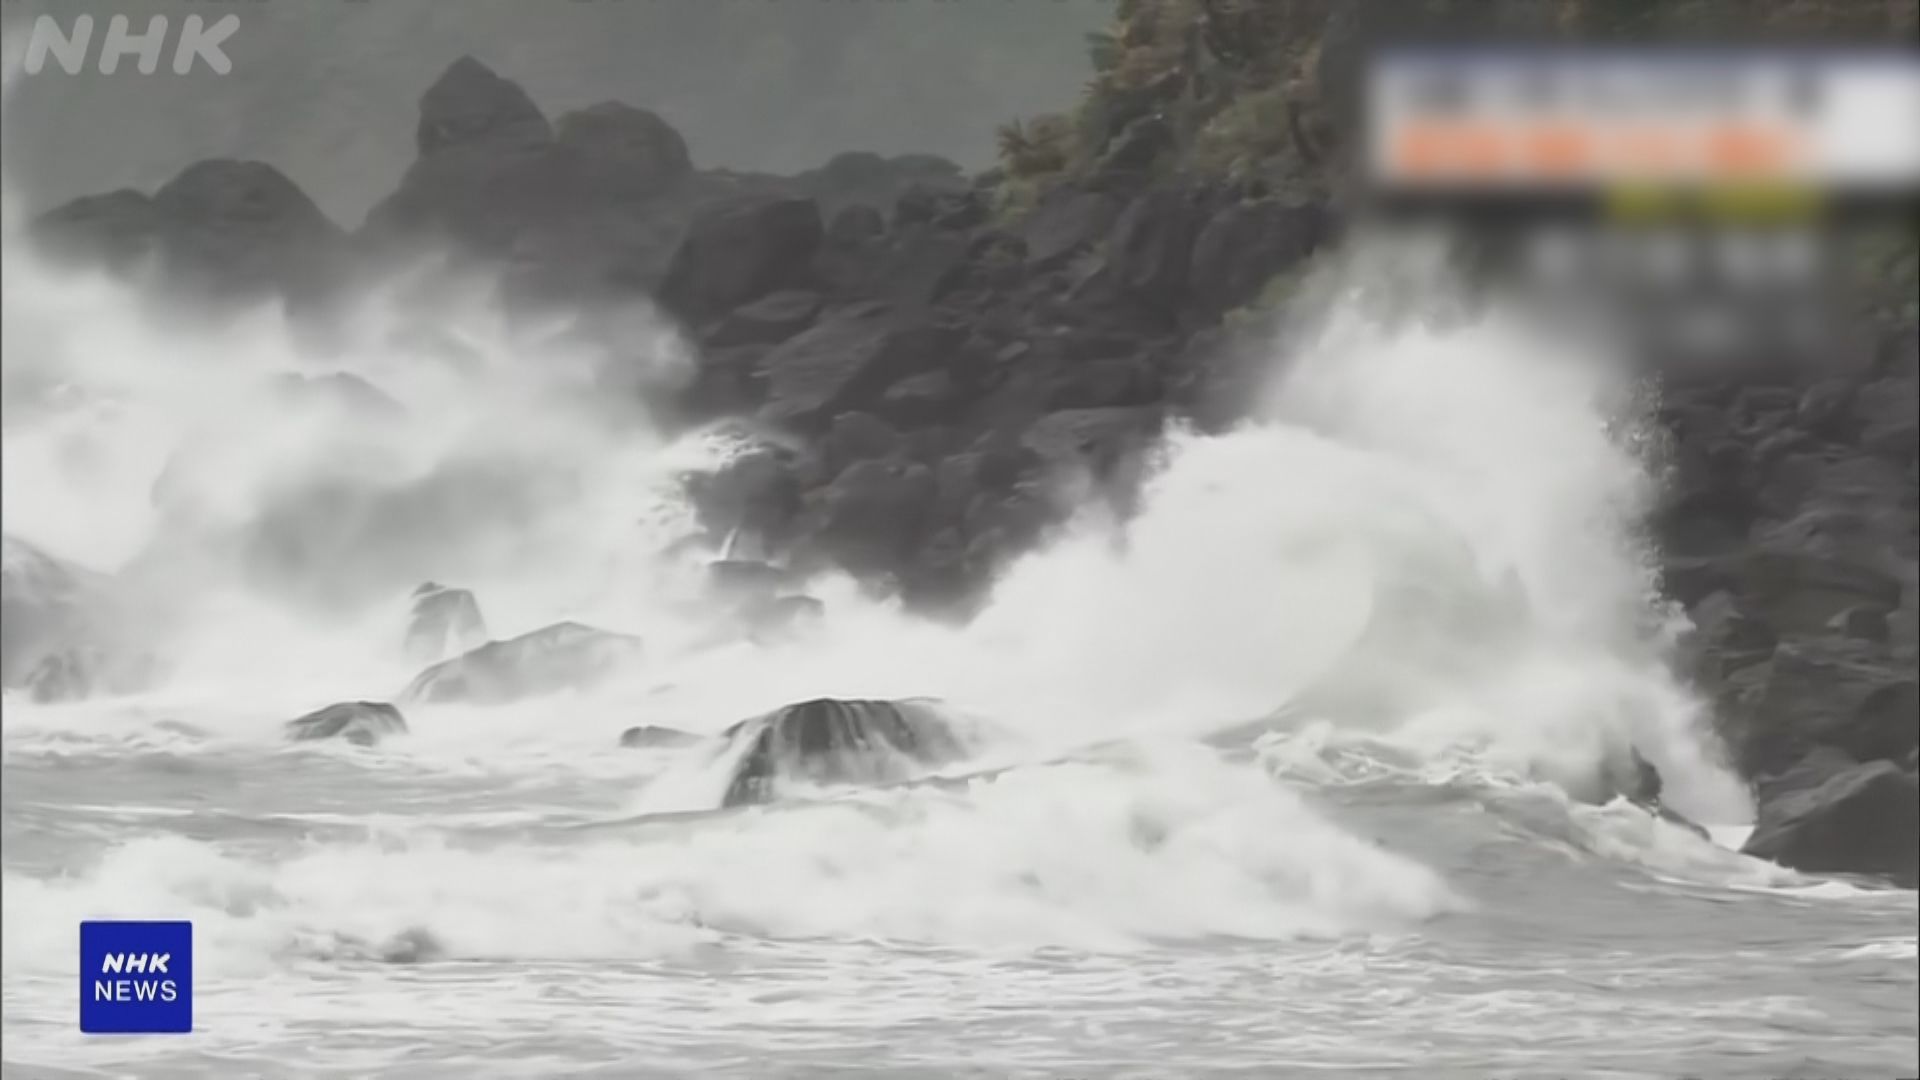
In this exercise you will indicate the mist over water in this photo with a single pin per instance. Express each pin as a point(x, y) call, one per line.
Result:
point(1343, 704)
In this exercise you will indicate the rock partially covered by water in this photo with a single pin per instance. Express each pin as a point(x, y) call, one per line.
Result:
point(362, 723)
point(446, 621)
point(564, 656)
point(830, 741)
point(61, 638)
point(1831, 814)
point(652, 736)
point(42, 604)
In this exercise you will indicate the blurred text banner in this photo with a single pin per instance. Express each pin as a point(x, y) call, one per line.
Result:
point(1559, 121)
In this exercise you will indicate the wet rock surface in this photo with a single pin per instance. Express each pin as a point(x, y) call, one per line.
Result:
point(362, 723)
point(827, 742)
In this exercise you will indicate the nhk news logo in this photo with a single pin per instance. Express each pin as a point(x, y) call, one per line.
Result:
point(136, 977)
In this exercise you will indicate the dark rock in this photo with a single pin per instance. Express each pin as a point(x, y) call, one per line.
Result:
point(1150, 249)
point(870, 181)
point(916, 267)
point(846, 362)
point(1801, 591)
point(853, 226)
point(1096, 440)
point(919, 400)
point(1003, 524)
point(1864, 623)
point(768, 320)
point(590, 214)
point(651, 736)
point(1138, 146)
point(858, 436)
point(444, 622)
point(119, 228)
point(944, 206)
point(1829, 814)
point(220, 230)
point(1110, 383)
point(1888, 416)
point(830, 742)
point(757, 493)
point(1067, 222)
point(564, 656)
point(1824, 692)
point(1245, 245)
point(624, 153)
point(469, 104)
point(1724, 639)
point(738, 252)
point(362, 723)
point(871, 518)
point(727, 382)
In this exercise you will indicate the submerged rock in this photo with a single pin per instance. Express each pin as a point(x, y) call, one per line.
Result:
point(829, 741)
point(1830, 814)
point(362, 723)
point(445, 621)
point(652, 736)
point(564, 656)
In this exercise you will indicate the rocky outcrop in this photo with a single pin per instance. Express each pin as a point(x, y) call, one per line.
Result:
point(1832, 814)
point(938, 381)
point(1790, 531)
point(221, 230)
point(362, 723)
point(564, 656)
point(444, 622)
point(597, 204)
point(653, 737)
point(737, 253)
point(828, 742)
point(923, 364)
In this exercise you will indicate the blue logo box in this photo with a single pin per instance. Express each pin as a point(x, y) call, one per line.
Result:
point(136, 978)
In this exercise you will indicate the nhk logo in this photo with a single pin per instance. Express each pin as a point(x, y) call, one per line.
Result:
point(197, 42)
point(136, 977)
point(135, 964)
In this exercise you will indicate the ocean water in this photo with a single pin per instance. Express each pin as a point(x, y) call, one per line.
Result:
point(1300, 771)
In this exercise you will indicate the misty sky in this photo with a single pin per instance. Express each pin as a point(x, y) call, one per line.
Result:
point(326, 89)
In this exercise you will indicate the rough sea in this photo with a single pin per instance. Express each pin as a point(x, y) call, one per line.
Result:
point(1301, 768)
